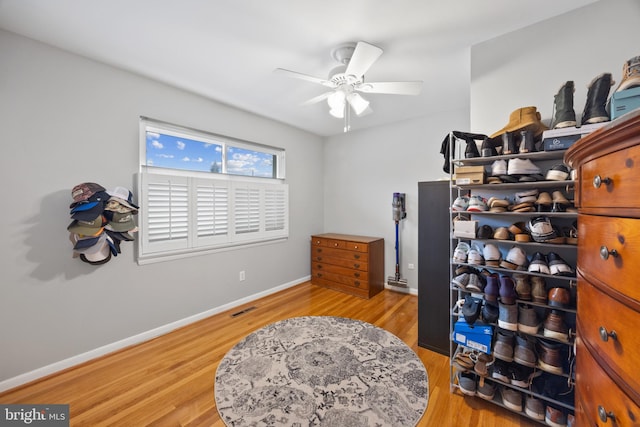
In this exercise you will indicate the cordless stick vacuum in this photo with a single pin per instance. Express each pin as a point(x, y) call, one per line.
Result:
point(399, 213)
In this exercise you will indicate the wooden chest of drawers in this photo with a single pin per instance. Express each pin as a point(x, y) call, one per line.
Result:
point(351, 264)
point(608, 316)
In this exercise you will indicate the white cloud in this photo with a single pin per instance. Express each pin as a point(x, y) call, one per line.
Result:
point(153, 135)
point(157, 144)
point(165, 156)
point(181, 145)
point(186, 159)
point(199, 160)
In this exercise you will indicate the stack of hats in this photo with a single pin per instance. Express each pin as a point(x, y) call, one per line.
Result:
point(101, 221)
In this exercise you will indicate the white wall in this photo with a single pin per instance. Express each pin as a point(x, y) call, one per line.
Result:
point(528, 67)
point(363, 169)
point(65, 120)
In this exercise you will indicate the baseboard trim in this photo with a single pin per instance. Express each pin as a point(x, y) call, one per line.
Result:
point(135, 339)
point(412, 291)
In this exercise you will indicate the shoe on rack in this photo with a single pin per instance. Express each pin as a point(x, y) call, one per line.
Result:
point(485, 232)
point(509, 145)
point(559, 297)
point(595, 109)
point(543, 202)
point(472, 149)
point(558, 266)
point(507, 290)
point(555, 326)
point(539, 265)
point(475, 284)
point(630, 74)
point(541, 229)
point(474, 256)
point(488, 148)
point(492, 288)
point(501, 233)
point(460, 204)
point(500, 371)
point(520, 375)
point(550, 356)
point(555, 417)
point(492, 255)
point(487, 390)
point(477, 204)
point(527, 142)
point(564, 114)
point(524, 353)
point(560, 199)
point(523, 286)
point(559, 172)
point(490, 312)
point(526, 196)
point(515, 258)
point(538, 289)
point(511, 398)
point(508, 316)
point(471, 308)
point(528, 321)
point(534, 407)
point(461, 280)
point(503, 347)
point(460, 252)
point(498, 168)
point(467, 383)
point(522, 167)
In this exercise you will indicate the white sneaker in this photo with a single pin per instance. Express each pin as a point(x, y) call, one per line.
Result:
point(475, 256)
point(460, 253)
point(499, 167)
point(460, 204)
point(477, 204)
point(522, 167)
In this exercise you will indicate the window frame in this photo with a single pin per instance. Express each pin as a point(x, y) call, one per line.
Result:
point(267, 209)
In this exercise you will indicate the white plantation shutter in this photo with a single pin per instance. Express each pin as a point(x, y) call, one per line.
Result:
point(275, 209)
point(212, 211)
point(166, 218)
point(182, 214)
point(246, 209)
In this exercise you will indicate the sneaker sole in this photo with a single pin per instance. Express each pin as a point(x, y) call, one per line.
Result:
point(512, 406)
point(534, 415)
point(508, 326)
point(554, 424)
point(557, 335)
point(550, 368)
point(532, 330)
point(557, 175)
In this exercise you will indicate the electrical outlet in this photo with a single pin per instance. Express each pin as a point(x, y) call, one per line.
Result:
point(242, 277)
point(411, 266)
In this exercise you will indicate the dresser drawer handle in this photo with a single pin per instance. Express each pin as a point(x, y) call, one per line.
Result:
point(356, 265)
point(356, 274)
point(356, 256)
point(604, 335)
point(604, 415)
point(355, 247)
point(319, 265)
point(598, 181)
point(318, 258)
point(335, 244)
point(605, 252)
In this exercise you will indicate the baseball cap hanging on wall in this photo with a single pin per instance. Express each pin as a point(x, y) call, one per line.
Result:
point(101, 220)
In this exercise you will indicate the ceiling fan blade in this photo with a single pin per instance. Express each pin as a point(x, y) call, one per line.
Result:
point(306, 77)
point(391, 88)
point(317, 99)
point(363, 57)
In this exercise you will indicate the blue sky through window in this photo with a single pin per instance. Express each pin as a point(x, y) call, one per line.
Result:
point(173, 152)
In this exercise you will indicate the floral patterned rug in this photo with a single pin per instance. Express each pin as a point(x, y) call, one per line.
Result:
point(321, 371)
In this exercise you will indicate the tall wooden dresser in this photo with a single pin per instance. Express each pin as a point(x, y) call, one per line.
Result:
point(608, 298)
point(350, 264)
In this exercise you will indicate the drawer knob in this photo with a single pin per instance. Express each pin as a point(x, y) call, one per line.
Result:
point(356, 265)
point(598, 181)
point(605, 252)
point(604, 334)
point(604, 415)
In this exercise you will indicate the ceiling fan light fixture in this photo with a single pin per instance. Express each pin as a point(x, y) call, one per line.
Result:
point(358, 103)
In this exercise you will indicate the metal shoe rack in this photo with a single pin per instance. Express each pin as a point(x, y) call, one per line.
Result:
point(568, 252)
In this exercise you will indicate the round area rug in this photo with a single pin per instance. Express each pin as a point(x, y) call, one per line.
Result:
point(321, 371)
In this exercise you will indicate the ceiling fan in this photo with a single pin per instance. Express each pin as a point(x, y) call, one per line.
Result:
point(347, 80)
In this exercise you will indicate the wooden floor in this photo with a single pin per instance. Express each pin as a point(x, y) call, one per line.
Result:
point(168, 381)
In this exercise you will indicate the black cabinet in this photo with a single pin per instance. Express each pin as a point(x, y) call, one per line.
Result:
point(434, 265)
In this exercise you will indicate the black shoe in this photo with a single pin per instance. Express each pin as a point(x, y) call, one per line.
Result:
point(488, 148)
point(472, 149)
point(565, 115)
point(527, 144)
point(509, 144)
point(595, 110)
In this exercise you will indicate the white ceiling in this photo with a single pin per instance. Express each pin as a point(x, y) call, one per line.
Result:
point(227, 49)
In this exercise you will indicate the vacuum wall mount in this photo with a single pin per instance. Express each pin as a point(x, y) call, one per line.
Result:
point(399, 213)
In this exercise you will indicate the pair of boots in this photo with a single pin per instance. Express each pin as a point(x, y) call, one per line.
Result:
point(595, 110)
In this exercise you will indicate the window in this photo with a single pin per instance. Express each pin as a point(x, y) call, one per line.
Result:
point(201, 192)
